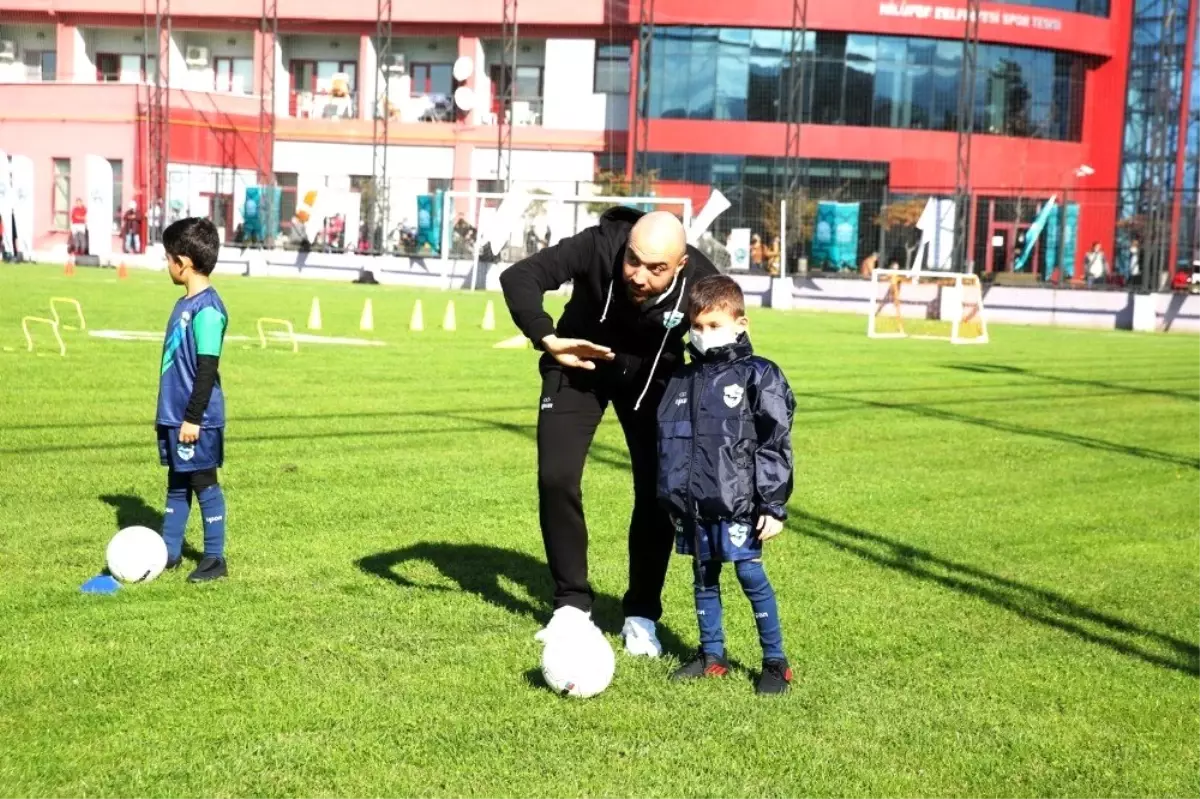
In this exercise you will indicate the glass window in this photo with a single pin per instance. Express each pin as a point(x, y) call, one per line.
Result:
point(430, 79)
point(863, 80)
point(131, 69)
point(733, 74)
point(286, 181)
point(860, 80)
point(118, 172)
point(613, 68)
point(702, 74)
point(947, 65)
point(763, 93)
point(675, 53)
point(60, 194)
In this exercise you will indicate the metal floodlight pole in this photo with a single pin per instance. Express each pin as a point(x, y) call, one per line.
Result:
point(269, 36)
point(1160, 161)
point(380, 205)
point(795, 174)
point(509, 40)
point(966, 127)
point(640, 156)
point(158, 112)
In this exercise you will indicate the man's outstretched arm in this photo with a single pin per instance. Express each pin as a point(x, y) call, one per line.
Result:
point(526, 281)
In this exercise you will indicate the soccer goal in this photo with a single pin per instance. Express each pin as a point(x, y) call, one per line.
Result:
point(506, 227)
point(921, 304)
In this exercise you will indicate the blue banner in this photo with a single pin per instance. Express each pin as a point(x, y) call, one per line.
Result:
point(1069, 239)
point(429, 220)
point(1035, 230)
point(255, 222)
point(835, 235)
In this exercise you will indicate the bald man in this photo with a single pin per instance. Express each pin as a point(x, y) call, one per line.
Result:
point(617, 342)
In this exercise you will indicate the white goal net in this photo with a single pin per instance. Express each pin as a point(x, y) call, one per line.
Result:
point(933, 305)
point(489, 226)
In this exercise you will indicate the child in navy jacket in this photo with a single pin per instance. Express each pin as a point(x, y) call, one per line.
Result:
point(725, 472)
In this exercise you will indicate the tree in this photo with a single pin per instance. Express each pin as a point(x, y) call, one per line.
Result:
point(615, 184)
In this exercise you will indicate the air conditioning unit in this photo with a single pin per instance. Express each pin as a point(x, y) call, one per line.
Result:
point(8, 51)
point(196, 56)
point(395, 63)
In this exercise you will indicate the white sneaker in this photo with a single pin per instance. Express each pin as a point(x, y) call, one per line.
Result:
point(566, 621)
point(640, 637)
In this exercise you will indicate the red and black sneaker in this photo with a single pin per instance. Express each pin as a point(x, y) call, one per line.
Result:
point(775, 678)
point(703, 665)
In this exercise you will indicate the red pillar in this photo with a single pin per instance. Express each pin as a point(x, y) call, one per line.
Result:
point(64, 46)
point(367, 88)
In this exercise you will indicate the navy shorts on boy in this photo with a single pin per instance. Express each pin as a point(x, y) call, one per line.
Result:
point(719, 541)
point(208, 451)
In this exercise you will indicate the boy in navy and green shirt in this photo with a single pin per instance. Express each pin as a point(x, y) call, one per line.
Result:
point(191, 405)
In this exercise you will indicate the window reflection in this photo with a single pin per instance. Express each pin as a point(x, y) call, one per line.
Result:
point(741, 74)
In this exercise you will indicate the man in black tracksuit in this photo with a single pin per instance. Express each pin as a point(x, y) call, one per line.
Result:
point(619, 339)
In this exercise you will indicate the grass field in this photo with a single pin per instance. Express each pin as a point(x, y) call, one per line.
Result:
point(989, 585)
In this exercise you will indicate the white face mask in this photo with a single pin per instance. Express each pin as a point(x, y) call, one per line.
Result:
point(714, 338)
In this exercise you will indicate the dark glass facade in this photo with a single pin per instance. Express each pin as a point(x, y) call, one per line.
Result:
point(739, 74)
point(1152, 21)
point(1189, 226)
point(1096, 8)
point(751, 185)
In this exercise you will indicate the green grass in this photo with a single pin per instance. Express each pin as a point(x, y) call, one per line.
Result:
point(988, 587)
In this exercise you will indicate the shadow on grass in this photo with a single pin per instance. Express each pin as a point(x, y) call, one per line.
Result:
point(1029, 602)
point(478, 569)
point(132, 511)
point(1002, 369)
point(1087, 442)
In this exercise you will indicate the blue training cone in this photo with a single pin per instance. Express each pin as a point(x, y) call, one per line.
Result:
point(101, 584)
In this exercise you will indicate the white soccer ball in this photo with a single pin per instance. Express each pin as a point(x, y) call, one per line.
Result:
point(136, 555)
point(580, 665)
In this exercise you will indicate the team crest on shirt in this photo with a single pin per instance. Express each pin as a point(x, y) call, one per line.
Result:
point(672, 319)
point(733, 395)
point(184, 318)
point(738, 533)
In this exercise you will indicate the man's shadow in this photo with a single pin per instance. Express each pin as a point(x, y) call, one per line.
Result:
point(478, 569)
point(134, 512)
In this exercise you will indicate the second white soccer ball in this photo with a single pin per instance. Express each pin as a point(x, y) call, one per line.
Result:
point(579, 665)
point(136, 555)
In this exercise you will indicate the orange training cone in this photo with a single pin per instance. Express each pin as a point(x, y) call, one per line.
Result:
point(70, 267)
point(122, 271)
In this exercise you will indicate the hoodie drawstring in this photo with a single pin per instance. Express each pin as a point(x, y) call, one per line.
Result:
point(607, 303)
point(662, 345)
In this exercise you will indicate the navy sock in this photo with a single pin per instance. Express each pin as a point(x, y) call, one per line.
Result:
point(212, 507)
point(179, 504)
point(708, 607)
point(753, 578)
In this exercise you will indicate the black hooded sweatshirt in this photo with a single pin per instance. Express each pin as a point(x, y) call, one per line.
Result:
point(647, 339)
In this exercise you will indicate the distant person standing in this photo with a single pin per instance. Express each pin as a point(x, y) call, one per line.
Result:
point(1135, 264)
point(79, 242)
point(1095, 265)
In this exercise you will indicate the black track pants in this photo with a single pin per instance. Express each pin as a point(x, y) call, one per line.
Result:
point(572, 405)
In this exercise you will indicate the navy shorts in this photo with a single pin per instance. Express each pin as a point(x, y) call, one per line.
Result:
point(719, 541)
point(207, 453)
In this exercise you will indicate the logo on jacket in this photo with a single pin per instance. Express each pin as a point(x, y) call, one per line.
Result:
point(738, 534)
point(184, 318)
point(733, 395)
point(672, 319)
point(681, 399)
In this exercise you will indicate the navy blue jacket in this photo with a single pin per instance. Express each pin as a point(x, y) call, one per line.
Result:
point(724, 438)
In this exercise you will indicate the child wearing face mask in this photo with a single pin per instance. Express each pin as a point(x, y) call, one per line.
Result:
point(725, 472)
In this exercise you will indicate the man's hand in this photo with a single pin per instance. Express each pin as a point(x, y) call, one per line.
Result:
point(576, 352)
point(768, 527)
point(189, 433)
